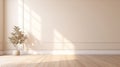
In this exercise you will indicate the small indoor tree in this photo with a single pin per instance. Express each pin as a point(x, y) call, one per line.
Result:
point(17, 37)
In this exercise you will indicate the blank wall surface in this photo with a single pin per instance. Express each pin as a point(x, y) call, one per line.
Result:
point(1, 24)
point(63, 24)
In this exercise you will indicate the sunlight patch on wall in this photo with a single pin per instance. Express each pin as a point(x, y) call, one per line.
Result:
point(62, 44)
point(33, 29)
point(30, 22)
point(32, 26)
point(28, 18)
point(20, 13)
point(36, 25)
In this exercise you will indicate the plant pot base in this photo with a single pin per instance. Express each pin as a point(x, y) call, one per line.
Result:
point(16, 52)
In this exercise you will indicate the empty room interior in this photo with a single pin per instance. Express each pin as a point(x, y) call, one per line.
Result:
point(59, 33)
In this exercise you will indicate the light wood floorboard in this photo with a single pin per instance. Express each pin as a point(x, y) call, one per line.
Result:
point(60, 61)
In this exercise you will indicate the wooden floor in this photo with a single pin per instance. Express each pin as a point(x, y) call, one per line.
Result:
point(60, 61)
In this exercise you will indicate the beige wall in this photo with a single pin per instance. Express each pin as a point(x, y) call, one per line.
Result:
point(1, 24)
point(63, 24)
point(11, 19)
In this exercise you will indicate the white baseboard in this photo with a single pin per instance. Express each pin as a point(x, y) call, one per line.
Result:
point(78, 52)
point(68, 52)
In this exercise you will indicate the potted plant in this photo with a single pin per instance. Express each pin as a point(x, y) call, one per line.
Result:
point(17, 39)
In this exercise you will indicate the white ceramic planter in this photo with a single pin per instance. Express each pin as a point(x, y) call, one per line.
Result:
point(16, 52)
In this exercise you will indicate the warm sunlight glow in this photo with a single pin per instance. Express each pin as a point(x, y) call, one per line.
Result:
point(30, 22)
point(30, 51)
point(58, 37)
point(20, 13)
point(68, 44)
point(32, 26)
point(62, 45)
point(36, 25)
point(60, 58)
